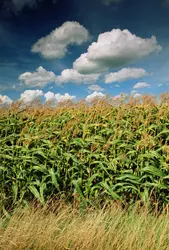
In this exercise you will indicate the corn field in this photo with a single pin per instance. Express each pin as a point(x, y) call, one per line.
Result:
point(86, 153)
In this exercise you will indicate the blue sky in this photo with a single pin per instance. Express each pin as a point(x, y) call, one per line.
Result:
point(55, 65)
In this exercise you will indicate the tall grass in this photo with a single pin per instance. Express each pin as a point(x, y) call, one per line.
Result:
point(86, 153)
point(109, 229)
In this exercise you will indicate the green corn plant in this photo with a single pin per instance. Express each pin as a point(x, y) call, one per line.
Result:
point(99, 151)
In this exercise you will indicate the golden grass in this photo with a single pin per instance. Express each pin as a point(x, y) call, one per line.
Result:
point(106, 229)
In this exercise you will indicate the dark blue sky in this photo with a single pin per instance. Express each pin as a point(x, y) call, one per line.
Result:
point(24, 22)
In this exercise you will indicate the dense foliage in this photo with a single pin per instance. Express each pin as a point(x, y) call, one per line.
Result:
point(85, 152)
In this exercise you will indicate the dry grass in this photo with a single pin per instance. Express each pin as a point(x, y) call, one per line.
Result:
point(109, 229)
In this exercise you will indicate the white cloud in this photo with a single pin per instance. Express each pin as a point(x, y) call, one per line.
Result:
point(95, 87)
point(137, 95)
point(39, 78)
point(120, 96)
point(117, 97)
point(63, 98)
point(5, 101)
point(115, 49)
point(94, 95)
point(72, 75)
point(50, 96)
point(125, 74)
point(84, 66)
point(29, 96)
point(140, 85)
point(133, 92)
point(55, 44)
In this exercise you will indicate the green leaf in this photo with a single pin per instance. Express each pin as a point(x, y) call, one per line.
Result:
point(78, 185)
point(54, 179)
point(35, 192)
point(15, 192)
point(153, 170)
point(113, 194)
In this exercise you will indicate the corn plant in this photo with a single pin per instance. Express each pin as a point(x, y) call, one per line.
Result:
point(97, 152)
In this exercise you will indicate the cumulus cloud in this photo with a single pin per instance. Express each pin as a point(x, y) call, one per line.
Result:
point(55, 44)
point(117, 97)
point(135, 94)
point(120, 96)
point(125, 74)
point(39, 78)
point(50, 96)
point(115, 49)
point(5, 101)
point(65, 97)
point(94, 95)
point(72, 75)
point(95, 87)
point(140, 85)
point(84, 66)
point(29, 96)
